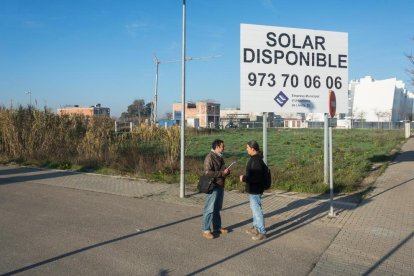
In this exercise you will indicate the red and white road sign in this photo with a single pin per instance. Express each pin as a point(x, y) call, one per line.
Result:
point(332, 103)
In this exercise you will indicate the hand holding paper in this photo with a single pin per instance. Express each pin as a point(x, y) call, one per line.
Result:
point(231, 164)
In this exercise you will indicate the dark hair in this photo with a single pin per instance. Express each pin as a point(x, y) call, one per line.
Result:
point(254, 145)
point(216, 143)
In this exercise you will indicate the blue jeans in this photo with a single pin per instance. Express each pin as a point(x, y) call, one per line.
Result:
point(212, 207)
point(256, 206)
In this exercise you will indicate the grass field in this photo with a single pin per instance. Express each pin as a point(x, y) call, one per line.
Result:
point(296, 155)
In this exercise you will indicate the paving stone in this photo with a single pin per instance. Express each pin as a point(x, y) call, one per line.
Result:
point(378, 238)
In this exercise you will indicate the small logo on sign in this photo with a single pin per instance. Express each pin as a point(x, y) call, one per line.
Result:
point(281, 99)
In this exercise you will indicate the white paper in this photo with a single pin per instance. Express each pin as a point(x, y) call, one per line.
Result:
point(231, 164)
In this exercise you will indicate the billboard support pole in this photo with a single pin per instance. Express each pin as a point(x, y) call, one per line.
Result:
point(332, 112)
point(325, 156)
point(265, 137)
point(331, 209)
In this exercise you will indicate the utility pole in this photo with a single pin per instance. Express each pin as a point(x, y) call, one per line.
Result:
point(155, 102)
point(30, 94)
point(157, 62)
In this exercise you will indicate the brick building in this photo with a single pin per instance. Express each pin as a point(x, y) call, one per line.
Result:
point(199, 114)
point(90, 111)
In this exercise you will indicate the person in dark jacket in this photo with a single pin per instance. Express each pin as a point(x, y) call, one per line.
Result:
point(254, 178)
point(214, 167)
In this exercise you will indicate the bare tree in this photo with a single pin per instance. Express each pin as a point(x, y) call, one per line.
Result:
point(352, 115)
point(378, 114)
point(361, 117)
point(388, 116)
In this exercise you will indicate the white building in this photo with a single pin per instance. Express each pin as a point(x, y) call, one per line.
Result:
point(369, 100)
point(239, 118)
point(379, 100)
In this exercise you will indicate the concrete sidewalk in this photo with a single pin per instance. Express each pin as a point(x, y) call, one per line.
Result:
point(378, 237)
point(375, 236)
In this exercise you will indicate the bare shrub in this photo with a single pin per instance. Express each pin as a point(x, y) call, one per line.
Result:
point(31, 134)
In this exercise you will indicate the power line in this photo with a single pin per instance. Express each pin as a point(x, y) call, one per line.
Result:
point(157, 62)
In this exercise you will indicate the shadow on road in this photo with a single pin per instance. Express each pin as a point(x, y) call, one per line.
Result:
point(21, 179)
point(306, 219)
point(389, 254)
point(373, 194)
point(26, 268)
point(276, 230)
point(322, 208)
point(96, 245)
point(19, 170)
point(406, 156)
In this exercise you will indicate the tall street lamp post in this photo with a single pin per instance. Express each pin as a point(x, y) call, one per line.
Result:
point(182, 174)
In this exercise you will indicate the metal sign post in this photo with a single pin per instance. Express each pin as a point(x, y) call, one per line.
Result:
point(332, 111)
point(265, 137)
point(331, 209)
point(325, 149)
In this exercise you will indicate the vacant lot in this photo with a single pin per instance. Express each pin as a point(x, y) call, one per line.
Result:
point(296, 155)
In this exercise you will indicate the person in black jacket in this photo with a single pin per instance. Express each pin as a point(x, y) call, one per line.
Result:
point(214, 167)
point(254, 178)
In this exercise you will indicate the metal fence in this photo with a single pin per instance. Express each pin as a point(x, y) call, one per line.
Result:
point(378, 125)
point(367, 125)
point(358, 125)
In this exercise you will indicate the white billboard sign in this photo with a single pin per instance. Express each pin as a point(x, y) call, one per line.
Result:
point(292, 70)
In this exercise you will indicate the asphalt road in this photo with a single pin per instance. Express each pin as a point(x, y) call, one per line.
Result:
point(49, 230)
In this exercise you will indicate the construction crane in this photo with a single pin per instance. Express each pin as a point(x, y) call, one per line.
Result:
point(157, 63)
